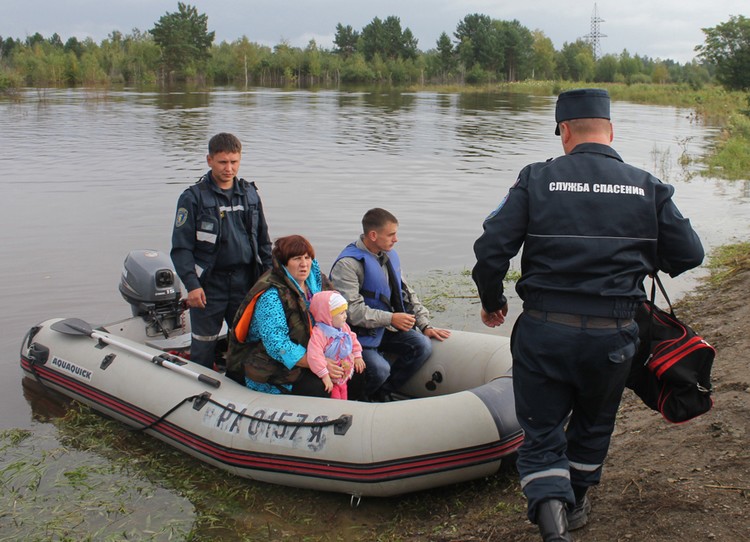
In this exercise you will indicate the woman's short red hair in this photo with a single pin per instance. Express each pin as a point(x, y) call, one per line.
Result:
point(290, 246)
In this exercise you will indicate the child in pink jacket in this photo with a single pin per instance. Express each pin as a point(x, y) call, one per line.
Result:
point(333, 339)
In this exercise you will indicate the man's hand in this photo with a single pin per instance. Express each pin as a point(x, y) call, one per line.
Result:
point(494, 319)
point(196, 299)
point(403, 321)
point(436, 333)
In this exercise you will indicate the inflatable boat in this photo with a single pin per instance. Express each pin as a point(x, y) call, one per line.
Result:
point(455, 419)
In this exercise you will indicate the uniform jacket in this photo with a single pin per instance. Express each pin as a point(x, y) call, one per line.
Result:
point(213, 232)
point(592, 227)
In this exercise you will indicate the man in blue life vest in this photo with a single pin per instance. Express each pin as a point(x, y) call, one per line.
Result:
point(384, 311)
point(592, 228)
point(220, 244)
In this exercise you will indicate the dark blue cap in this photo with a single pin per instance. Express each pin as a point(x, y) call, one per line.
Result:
point(582, 103)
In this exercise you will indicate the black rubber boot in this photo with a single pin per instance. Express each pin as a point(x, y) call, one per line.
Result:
point(553, 522)
point(579, 515)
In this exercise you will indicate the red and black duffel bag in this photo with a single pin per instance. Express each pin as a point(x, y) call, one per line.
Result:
point(671, 371)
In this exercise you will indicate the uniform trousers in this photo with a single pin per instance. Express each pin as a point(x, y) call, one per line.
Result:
point(568, 380)
point(410, 350)
point(225, 291)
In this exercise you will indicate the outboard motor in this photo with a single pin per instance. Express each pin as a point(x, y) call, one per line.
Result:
point(149, 283)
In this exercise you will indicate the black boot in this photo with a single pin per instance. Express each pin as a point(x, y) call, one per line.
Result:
point(553, 522)
point(579, 515)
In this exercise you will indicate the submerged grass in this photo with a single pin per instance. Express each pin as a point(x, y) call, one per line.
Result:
point(100, 481)
point(440, 291)
point(727, 261)
point(52, 492)
point(731, 159)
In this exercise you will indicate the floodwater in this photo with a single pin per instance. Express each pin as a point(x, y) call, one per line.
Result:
point(89, 175)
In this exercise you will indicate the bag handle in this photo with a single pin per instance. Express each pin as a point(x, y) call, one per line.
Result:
point(656, 281)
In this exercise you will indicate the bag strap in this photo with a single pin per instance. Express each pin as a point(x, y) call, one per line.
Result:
point(656, 281)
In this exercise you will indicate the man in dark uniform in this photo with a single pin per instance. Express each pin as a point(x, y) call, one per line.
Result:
point(220, 244)
point(592, 228)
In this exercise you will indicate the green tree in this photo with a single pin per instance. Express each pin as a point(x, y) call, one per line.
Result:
point(478, 43)
point(34, 40)
point(184, 40)
point(543, 56)
point(446, 55)
point(629, 66)
point(396, 42)
point(356, 69)
point(287, 62)
point(7, 46)
point(575, 61)
point(312, 64)
point(696, 75)
point(112, 56)
point(516, 43)
point(584, 66)
point(606, 69)
point(409, 45)
point(388, 40)
point(74, 46)
point(222, 68)
point(372, 39)
point(55, 40)
point(727, 46)
point(141, 64)
point(345, 40)
point(660, 73)
point(72, 69)
point(392, 36)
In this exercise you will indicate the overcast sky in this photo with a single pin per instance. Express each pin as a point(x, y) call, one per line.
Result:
point(654, 28)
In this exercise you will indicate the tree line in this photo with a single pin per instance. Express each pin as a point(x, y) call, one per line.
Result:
point(481, 50)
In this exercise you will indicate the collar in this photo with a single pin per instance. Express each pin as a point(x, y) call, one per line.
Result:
point(596, 148)
point(380, 255)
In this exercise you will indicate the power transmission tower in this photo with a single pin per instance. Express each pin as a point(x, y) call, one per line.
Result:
point(595, 35)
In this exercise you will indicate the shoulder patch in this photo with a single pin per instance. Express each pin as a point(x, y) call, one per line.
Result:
point(182, 215)
point(502, 203)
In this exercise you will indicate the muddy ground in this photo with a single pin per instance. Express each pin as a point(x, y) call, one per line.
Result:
point(662, 482)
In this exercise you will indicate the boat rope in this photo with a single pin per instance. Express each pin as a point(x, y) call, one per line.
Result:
point(205, 397)
point(164, 416)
